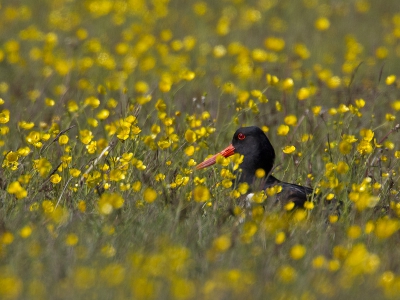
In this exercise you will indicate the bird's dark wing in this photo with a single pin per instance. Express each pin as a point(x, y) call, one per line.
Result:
point(290, 192)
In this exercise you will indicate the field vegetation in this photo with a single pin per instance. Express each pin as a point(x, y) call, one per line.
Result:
point(106, 107)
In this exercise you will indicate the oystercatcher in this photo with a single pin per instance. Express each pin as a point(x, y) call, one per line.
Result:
point(258, 153)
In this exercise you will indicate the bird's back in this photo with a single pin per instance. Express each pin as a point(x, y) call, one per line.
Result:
point(290, 192)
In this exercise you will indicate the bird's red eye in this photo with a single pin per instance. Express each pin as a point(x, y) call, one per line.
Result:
point(241, 136)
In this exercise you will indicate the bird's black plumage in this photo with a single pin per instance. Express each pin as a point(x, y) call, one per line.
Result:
point(258, 153)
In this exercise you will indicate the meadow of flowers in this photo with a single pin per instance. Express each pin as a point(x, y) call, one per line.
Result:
point(106, 106)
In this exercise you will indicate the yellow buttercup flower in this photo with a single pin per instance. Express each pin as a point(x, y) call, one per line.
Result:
point(322, 24)
point(71, 239)
point(149, 195)
point(297, 251)
point(283, 130)
point(55, 178)
point(390, 79)
point(222, 243)
point(289, 149)
point(201, 194)
point(190, 136)
point(287, 273)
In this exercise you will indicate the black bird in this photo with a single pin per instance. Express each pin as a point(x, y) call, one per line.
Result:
point(253, 144)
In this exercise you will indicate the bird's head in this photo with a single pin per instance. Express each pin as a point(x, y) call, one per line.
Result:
point(253, 144)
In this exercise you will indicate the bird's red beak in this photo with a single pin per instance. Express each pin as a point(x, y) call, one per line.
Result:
point(228, 151)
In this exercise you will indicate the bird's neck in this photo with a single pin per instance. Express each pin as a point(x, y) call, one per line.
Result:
point(248, 174)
